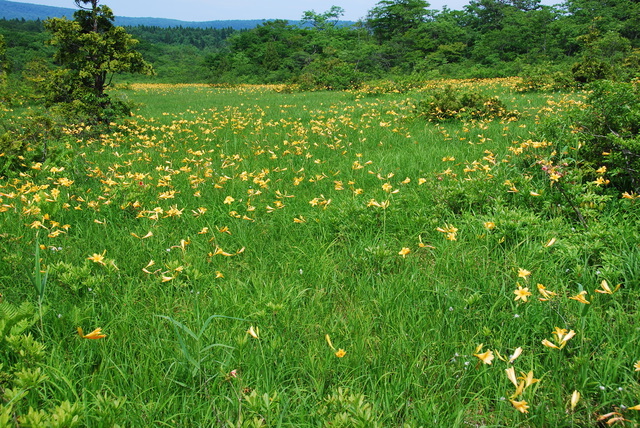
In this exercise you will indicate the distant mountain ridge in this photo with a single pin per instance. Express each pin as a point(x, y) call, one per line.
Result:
point(29, 11)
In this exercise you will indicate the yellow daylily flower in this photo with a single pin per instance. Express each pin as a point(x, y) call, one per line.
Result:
point(550, 344)
point(95, 334)
point(637, 366)
point(563, 337)
point(486, 357)
point(580, 297)
point(546, 294)
point(98, 258)
point(511, 374)
point(523, 273)
point(340, 353)
point(528, 379)
point(575, 397)
point(520, 406)
point(404, 251)
point(489, 225)
point(515, 355)
point(252, 332)
point(328, 339)
point(522, 293)
point(606, 289)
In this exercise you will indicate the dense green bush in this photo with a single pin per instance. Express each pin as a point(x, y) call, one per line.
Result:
point(544, 77)
point(450, 103)
point(606, 133)
point(24, 141)
point(610, 130)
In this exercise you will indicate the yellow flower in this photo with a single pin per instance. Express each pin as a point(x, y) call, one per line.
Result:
point(228, 200)
point(95, 334)
point(449, 230)
point(528, 379)
point(637, 366)
point(328, 339)
point(550, 242)
point(575, 397)
point(252, 332)
point(511, 374)
point(522, 293)
point(489, 225)
point(515, 355)
point(98, 258)
point(340, 353)
point(520, 406)
point(636, 407)
point(606, 289)
point(485, 357)
point(550, 344)
point(523, 273)
point(404, 251)
point(580, 297)
point(546, 294)
point(563, 337)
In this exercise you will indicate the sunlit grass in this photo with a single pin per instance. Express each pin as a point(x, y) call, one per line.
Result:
point(220, 235)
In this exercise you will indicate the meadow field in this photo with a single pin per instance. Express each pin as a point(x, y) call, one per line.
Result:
point(257, 257)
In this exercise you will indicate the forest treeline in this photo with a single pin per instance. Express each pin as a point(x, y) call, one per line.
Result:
point(582, 40)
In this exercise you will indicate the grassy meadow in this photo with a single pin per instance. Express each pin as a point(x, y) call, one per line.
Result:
point(255, 257)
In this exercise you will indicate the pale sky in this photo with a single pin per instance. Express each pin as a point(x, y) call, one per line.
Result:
point(212, 10)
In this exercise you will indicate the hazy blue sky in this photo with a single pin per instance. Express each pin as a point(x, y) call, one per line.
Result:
point(209, 10)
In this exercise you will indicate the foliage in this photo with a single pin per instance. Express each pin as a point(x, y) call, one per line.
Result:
point(24, 380)
point(411, 243)
point(24, 141)
point(90, 50)
point(392, 18)
point(450, 103)
point(609, 129)
point(545, 77)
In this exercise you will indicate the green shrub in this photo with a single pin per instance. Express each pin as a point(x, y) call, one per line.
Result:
point(449, 103)
point(330, 73)
point(24, 141)
point(541, 78)
point(609, 129)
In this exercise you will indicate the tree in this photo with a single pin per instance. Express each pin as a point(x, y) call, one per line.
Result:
point(90, 50)
point(3, 57)
point(323, 20)
point(391, 18)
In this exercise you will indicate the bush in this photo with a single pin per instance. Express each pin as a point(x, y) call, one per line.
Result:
point(449, 103)
point(25, 141)
point(610, 130)
point(331, 73)
point(540, 78)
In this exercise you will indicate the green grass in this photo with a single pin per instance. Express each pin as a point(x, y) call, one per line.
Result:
point(409, 324)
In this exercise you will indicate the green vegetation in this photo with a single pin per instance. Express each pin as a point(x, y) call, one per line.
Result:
point(582, 40)
point(90, 50)
point(261, 258)
point(396, 251)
